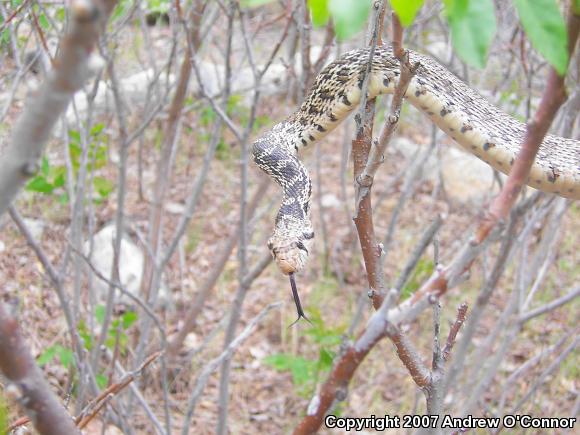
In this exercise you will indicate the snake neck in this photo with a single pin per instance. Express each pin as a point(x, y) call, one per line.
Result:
point(275, 154)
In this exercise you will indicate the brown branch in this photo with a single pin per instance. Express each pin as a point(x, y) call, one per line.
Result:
point(94, 406)
point(41, 36)
point(460, 319)
point(397, 40)
point(27, 384)
point(361, 147)
point(411, 359)
point(552, 99)
point(335, 386)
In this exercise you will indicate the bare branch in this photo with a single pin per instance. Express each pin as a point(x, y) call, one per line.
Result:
point(27, 384)
point(75, 64)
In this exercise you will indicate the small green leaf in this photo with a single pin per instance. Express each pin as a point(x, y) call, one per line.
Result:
point(472, 28)
point(349, 16)
point(325, 359)
point(60, 15)
point(102, 381)
point(39, 184)
point(319, 12)
point(3, 415)
point(66, 356)
point(129, 318)
point(254, 3)
point(43, 21)
point(63, 199)
point(100, 314)
point(47, 356)
point(302, 370)
point(58, 174)
point(103, 186)
point(406, 10)
point(546, 30)
point(279, 361)
point(97, 129)
point(45, 167)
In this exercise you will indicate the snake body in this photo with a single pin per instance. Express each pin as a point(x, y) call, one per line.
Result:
point(468, 118)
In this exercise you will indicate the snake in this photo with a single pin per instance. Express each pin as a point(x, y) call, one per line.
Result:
point(468, 118)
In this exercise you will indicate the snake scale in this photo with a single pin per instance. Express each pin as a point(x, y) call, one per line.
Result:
point(464, 115)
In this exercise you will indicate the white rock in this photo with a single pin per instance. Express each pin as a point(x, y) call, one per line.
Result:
point(329, 200)
point(174, 208)
point(466, 177)
point(130, 266)
point(36, 227)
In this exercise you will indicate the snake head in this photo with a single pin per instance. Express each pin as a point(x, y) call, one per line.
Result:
point(290, 249)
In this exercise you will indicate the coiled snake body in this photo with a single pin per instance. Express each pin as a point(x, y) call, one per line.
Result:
point(473, 122)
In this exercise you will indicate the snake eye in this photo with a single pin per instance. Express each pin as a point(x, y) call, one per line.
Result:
point(308, 236)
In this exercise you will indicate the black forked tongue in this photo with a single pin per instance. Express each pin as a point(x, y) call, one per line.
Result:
point(299, 309)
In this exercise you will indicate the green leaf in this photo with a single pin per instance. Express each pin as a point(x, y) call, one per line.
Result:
point(100, 314)
point(47, 356)
point(66, 356)
point(60, 15)
point(349, 16)
point(325, 359)
point(3, 415)
point(58, 174)
point(319, 12)
point(254, 3)
point(406, 10)
point(546, 30)
point(85, 335)
point(473, 26)
point(279, 361)
point(423, 270)
point(302, 370)
point(103, 186)
point(129, 318)
point(43, 21)
point(97, 129)
point(39, 184)
point(45, 167)
point(102, 381)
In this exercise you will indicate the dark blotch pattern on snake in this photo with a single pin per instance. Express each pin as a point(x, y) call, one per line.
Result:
point(477, 125)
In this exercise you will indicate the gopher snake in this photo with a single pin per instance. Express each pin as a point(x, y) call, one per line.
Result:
point(469, 119)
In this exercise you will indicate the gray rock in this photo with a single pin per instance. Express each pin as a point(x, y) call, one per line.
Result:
point(130, 266)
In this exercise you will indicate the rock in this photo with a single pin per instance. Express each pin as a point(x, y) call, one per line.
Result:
point(329, 200)
point(466, 177)
point(36, 227)
point(175, 208)
point(130, 266)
